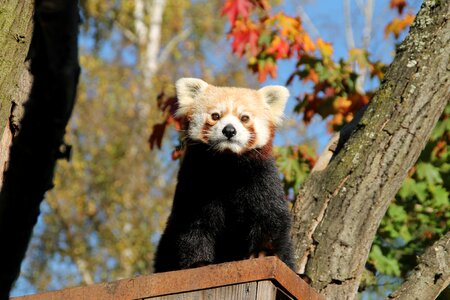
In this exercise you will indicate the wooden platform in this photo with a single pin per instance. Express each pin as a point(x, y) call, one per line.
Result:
point(262, 278)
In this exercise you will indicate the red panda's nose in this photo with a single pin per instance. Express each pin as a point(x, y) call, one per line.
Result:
point(229, 131)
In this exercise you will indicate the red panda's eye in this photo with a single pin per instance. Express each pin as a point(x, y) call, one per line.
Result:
point(245, 118)
point(215, 116)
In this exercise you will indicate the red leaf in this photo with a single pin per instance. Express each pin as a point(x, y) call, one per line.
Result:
point(279, 47)
point(237, 8)
point(177, 153)
point(399, 4)
point(157, 135)
point(243, 34)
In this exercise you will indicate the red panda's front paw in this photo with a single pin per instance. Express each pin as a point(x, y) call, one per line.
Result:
point(199, 264)
point(258, 255)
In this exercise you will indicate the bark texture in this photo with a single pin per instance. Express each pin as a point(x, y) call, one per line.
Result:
point(16, 25)
point(340, 206)
point(431, 275)
point(38, 144)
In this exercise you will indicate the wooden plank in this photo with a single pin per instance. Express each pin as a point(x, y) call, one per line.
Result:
point(266, 268)
point(266, 290)
point(244, 291)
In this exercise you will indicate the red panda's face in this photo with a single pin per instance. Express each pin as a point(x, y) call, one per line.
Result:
point(234, 119)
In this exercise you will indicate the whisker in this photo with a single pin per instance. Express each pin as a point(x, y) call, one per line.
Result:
point(257, 151)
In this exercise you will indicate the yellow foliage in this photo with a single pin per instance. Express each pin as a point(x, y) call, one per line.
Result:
point(325, 48)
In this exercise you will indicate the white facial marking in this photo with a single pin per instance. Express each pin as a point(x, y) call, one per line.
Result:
point(262, 132)
point(196, 125)
point(235, 143)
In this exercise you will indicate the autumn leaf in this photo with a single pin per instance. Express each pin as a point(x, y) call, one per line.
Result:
point(377, 69)
point(176, 122)
point(306, 42)
point(326, 49)
point(342, 104)
point(264, 4)
point(279, 47)
point(177, 153)
point(348, 117)
point(312, 76)
point(288, 26)
point(237, 8)
point(266, 67)
point(157, 135)
point(397, 25)
point(245, 33)
point(337, 120)
point(398, 4)
point(360, 56)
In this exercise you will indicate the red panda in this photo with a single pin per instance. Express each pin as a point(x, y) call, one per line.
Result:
point(229, 203)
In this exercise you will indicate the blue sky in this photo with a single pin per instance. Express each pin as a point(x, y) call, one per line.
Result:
point(327, 18)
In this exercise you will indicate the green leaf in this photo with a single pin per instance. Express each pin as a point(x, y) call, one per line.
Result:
point(440, 196)
point(420, 190)
point(407, 189)
point(405, 234)
point(384, 264)
point(397, 212)
point(440, 129)
point(264, 39)
point(429, 172)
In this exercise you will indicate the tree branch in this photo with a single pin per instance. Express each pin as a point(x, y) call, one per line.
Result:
point(348, 25)
point(367, 33)
point(139, 25)
point(339, 207)
point(430, 276)
point(307, 20)
point(179, 37)
point(54, 57)
point(127, 33)
point(156, 10)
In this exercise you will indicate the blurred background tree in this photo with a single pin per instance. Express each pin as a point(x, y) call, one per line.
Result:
point(103, 219)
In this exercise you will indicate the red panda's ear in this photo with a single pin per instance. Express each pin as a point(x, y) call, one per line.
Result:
point(276, 96)
point(188, 90)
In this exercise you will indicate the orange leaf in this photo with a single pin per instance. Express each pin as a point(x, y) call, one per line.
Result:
point(266, 67)
point(288, 26)
point(308, 44)
point(312, 75)
point(342, 104)
point(440, 148)
point(398, 25)
point(349, 117)
point(336, 121)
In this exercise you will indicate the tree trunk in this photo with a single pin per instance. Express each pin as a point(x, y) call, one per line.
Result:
point(431, 275)
point(340, 206)
point(16, 25)
point(37, 146)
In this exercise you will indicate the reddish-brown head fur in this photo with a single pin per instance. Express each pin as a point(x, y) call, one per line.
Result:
point(229, 118)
